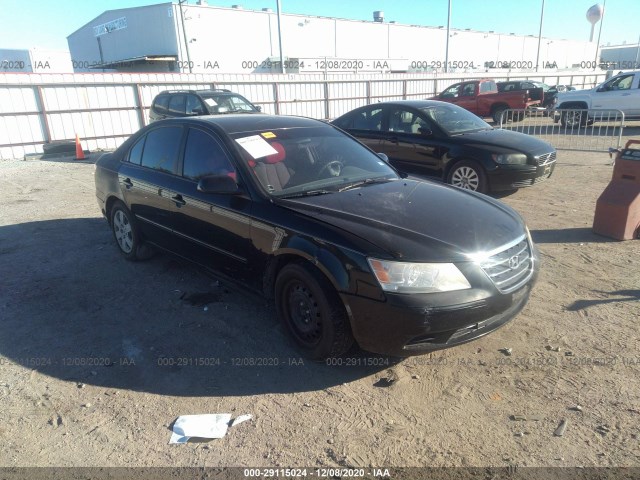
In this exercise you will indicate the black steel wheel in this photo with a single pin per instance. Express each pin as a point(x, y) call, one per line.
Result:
point(312, 312)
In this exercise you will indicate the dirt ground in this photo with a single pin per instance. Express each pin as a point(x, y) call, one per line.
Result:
point(99, 356)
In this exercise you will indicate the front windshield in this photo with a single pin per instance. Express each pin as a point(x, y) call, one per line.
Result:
point(455, 120)
point(227, 103)
point(302, 161)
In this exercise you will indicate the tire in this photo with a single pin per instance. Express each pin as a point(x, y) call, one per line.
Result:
point(312, 312)
point(497, 114)
point(469, 176)
point(573, 119)
point(125, 232)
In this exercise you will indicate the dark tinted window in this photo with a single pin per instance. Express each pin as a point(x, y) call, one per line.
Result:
point(469, 90)
point(161, 149)
point(135, 154)
point(369, 119)
point(176, 104)
point(203, 156)
point(161, 104)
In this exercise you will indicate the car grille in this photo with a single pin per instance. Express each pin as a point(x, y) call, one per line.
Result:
point(511, 267)
point(529, 182)
point(546, 158)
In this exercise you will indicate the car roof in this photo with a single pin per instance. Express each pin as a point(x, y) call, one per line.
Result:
point(237, 123)
point(411, 103)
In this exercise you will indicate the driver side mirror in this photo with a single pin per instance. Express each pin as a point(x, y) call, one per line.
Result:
point(426, 131)
point(218, 184)
point(258, 107)
point(197, 111)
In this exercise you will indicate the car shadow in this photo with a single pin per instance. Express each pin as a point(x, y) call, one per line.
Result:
point(75, 310)
point(569, 235)
point(627, 296)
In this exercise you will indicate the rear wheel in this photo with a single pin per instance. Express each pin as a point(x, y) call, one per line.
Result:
point(468, 175)
point(125, 232)
point(312, 312)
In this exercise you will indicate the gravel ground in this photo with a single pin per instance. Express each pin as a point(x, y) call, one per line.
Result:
point(99, 356)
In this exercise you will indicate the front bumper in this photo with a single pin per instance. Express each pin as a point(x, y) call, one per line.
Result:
point(406, 325)
point(508, 177)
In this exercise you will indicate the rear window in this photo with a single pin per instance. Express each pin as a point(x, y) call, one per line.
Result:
point(488, 87)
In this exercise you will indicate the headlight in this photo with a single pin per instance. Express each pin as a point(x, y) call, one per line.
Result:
point(404, 277)
point(511, 158)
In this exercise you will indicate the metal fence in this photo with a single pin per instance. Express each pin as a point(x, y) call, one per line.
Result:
point(569, 129)
point(104, 109)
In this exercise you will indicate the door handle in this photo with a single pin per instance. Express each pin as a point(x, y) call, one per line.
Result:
point(178, 200)
point(127, 183)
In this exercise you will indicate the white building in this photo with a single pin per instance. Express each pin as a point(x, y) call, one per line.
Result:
point(36, 60)
point(208, 39)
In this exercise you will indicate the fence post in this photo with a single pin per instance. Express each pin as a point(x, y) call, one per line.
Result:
point(275, 98)
point(42, 114)
point(368, 92)
point(404, 89)
point(326, 100)
point(139, 106)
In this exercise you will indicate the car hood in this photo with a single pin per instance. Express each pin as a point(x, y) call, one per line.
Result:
point(417, 220)
point(505, 139)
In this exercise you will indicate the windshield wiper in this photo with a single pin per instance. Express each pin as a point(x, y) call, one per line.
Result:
point(366, 181)
point(309, 193)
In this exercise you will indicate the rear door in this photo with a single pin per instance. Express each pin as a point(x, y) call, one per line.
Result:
point(148, 178)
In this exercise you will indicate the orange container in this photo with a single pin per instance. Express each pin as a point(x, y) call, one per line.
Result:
point(618, 208)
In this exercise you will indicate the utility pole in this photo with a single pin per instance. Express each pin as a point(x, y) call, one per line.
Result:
point(446, 54)
point(540, 36)
point(184, 33)
point(280, 38)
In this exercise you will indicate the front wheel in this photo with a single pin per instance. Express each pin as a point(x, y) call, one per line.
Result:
point(468, 175)
point(497, 115)
point(312, 312)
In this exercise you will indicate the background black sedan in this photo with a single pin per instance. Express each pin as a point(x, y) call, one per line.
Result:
point(305, 214)
point(428, 137)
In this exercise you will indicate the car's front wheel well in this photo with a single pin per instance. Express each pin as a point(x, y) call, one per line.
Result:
point(275, 265)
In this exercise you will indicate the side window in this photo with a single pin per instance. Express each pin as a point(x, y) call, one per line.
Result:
point(161, 149)
point(406, 121)
point(469, 90)
point(368, 120)
point(135, 154)
point(488, 87)
point(204, 156)
point(620, 83)
point(194, 106)
point(176, 105)
point(161, 104)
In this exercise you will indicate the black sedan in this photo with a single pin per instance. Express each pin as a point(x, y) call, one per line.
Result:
point(427, 137)
point(298, 210)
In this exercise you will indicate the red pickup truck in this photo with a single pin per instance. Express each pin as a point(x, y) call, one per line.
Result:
point(482, 98)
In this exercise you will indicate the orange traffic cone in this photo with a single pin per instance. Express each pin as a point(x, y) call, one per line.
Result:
point(79, 152)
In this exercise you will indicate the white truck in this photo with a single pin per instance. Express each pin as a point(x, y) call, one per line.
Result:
point(620, 92)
